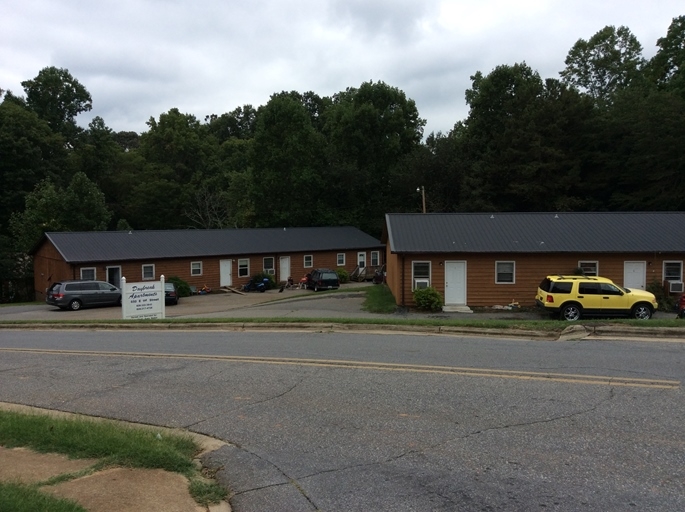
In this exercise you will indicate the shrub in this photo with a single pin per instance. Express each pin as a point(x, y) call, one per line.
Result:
point(182, 287)
point(666, 301)
point(428, 299)
point(343, 276)
point(270, 284)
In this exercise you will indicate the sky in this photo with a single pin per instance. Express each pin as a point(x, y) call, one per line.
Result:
point(141, 58)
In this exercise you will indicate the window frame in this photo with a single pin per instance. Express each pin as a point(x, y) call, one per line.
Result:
point(377, 258)
point(583, 264)
point(192, 269)
point(415, 276)
point(245, 267)
point(337, 259)
point(89, 269)
point(269, 270)
point(311, 261)
point(671, 262)
point(498, 272)
point(142, 272)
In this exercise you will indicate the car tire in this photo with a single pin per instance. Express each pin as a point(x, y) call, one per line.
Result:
point(571, 312)
point(75, 305)
point(316, 288)
point(641, 311)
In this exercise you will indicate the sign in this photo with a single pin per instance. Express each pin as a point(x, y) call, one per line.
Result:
point(142, 301)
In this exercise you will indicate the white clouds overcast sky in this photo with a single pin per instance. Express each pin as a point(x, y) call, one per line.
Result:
point(140, 58)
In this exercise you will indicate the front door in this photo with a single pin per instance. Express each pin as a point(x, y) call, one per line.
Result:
point(114, 276)
point(225, 268)
point(634, 274)
point(284, 268)
point(455, 282)
point(361, 259)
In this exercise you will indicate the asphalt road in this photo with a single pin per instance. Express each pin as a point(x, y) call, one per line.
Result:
point(386, 422)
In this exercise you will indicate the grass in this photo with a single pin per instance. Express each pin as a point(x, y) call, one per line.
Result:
point(379, 299)
point(26, 498)
point(111, 444)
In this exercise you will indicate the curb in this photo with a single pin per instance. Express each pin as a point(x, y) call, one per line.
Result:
point(572, 332)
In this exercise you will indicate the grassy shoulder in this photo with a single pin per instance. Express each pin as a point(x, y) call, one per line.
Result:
point(111, 444)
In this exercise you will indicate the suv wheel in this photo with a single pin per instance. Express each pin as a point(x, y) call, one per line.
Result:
point(571, 312)
point(641, 312)
point(316, 288)
point(75, 305)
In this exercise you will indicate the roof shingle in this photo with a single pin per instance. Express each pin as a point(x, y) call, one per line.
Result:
point(536, 232)
point(81, 247)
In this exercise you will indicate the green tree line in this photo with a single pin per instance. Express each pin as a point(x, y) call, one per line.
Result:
point(607, 134)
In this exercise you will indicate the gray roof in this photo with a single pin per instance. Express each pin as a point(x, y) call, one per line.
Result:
point(95, 246)
point(536, 232)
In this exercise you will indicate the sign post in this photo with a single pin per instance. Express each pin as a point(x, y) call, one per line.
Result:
point(142, 301)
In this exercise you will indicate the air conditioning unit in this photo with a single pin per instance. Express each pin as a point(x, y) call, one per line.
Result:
point(421, 283)
point(676, 287)
point(270, 271)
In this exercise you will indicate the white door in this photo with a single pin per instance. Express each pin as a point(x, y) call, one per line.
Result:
point(225, 269)
point(361, 259)
point(455, 282)
point(284, 268)
point(634, 274)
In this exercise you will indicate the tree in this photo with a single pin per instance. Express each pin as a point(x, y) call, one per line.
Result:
point(370, 130)
point(97, 153)
point(239, 124)
point(668, 65)
point(79, 207)
point(609, 61)
point(181, 143)
point(286, 161)
point(516, 142)
point(30, 151)
point(57, 97)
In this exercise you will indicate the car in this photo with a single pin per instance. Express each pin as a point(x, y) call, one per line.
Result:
point(573, 297)
point(170, 294)
point(77, 294)
point(323, 279)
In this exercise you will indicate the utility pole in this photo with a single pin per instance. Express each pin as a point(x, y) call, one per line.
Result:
point(423, 197)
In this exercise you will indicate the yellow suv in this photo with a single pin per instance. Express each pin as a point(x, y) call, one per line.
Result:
point(573, 297)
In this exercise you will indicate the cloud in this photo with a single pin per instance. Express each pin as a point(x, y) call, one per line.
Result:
point(140, 58)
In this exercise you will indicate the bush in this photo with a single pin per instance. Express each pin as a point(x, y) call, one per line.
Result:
point(428, 299)
point(666, 302)
point(258, 278)
point(343, 276)
point(182, 287)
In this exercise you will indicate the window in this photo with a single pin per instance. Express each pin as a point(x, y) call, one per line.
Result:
point(589, 268)
point(589, 288)
point(88, 273)
point(504, 272)
point(244, 268)
point(421, 274)
point(269, 265)
point(148, 272)
point(375, 258)
point(195, 268)
point(308, 261)
point(341, 259)
point(673, 270)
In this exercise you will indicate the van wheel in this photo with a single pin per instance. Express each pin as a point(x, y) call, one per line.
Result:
point(75, 305)
point(571, 312)
point(641, 312)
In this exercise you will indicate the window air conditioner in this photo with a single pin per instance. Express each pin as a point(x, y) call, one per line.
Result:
point(421, 283)
point(676, 287)
point(270, 271)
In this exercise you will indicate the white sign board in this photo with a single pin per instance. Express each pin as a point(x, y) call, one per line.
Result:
point(141, 301)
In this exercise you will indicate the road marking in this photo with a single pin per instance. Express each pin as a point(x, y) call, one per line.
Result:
point(607, 380)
